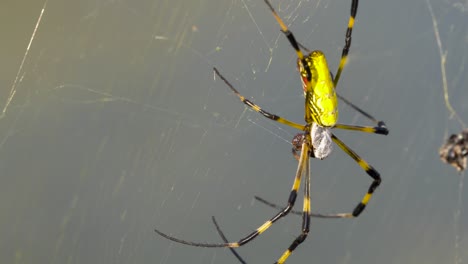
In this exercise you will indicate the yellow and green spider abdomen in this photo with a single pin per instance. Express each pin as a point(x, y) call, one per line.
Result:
point(321, 105)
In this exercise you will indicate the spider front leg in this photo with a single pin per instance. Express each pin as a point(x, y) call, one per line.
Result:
point(257, 108)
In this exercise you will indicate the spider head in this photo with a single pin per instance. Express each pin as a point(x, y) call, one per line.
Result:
point(310, 66)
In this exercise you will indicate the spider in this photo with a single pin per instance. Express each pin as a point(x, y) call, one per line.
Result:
point(315, 140)
point(455, 150)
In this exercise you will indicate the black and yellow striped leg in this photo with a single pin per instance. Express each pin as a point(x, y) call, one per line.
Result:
point(291, 200)
point(381, 130)
point(221, 234)
point(257, 108)
point(296, 212)
point(292, 40)
point(369, 170)
point(379, 123)
point(305, 215)
point(360, 207)
point(289, 35)
point(381, 127)
point(305, 210)
point(349, 31)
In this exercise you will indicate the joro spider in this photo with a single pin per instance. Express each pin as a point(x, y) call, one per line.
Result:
point(315, 140)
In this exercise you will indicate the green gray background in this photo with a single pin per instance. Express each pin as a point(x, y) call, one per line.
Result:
point(117, 127)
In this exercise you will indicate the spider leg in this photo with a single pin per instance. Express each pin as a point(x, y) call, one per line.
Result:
point(305, 210)
point(365, 200)
point(349, 31)
point(295, 212)
point(221, 234)
point(289, 35)
point(305, 214)
point(285, 211)
point(292, 40)
point(381, 130)
point(257, 108)
point(362, 112)
point(368, 169)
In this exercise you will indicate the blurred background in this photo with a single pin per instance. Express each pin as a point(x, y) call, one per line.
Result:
point(114, 125)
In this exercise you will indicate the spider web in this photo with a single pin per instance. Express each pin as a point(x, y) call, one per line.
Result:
point(452, 115)
point(112, 124)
